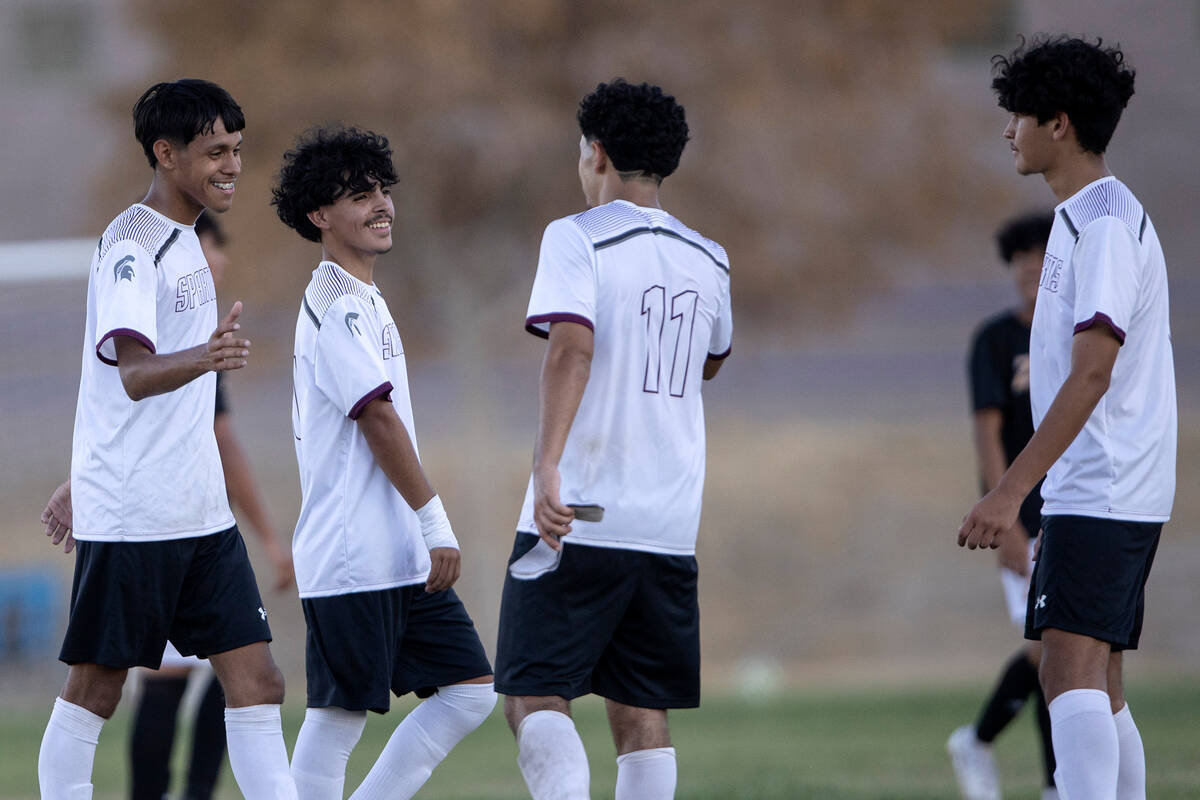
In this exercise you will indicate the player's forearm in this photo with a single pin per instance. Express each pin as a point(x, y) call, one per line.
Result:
point(145, 374)
point(989, 447)
point(565, 373)
point(394, 452)
point(1064, 420)
point(239, 481)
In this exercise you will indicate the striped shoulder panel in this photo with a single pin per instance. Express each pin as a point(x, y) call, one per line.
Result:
point(327, 285)
point(143, 227)
point(614, 223)
point(1107, 199)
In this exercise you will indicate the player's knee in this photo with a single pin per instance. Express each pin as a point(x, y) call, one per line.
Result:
point(470, 702)
point(97, 689)
point(517, 708)
point(270, 686)
point(262, 685)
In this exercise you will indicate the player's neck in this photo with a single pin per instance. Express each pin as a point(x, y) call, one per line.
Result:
point(171, 203)
point(360, 265)
point(639, 191)
point(1075, 172)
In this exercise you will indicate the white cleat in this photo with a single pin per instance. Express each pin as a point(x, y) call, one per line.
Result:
point(974, 766)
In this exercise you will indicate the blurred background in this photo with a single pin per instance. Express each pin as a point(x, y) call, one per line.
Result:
point(847, 154)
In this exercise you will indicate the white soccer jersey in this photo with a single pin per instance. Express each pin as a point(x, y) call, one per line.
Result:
point(1104, 266)
point(356, 533)
point(146, 470)
point(656, 295)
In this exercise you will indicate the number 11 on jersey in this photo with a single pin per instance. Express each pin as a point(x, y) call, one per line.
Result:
point(677, 336)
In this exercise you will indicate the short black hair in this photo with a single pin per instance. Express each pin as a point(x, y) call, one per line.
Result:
point(1026, 232)
point(326, 163)
point(207, 225)
point(642, 129)
point(180, 111)
point(1089, 82)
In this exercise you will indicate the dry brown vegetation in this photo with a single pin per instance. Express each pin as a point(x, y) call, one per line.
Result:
point(823, 150)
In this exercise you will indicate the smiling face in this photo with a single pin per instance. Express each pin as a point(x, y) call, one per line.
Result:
point(206, 168)
point(357, 222)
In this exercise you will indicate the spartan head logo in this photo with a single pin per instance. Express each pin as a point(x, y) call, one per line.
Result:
point(351, 325)
point(123, 270)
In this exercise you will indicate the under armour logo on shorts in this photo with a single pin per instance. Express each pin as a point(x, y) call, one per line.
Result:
point(1041, 603)
point(262, 612)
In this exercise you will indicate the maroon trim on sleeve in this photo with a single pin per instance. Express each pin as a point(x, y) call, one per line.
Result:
point(383, 390)
point(1100, 318)
point(132, 334)
point(578, 319)
point(720, 356)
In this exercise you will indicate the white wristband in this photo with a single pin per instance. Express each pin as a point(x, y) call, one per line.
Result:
point(435, 525)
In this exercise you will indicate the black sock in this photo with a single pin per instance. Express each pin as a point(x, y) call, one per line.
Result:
point(152, 737)
point(1020, 678)
point(1043, 723)
point(208, 743)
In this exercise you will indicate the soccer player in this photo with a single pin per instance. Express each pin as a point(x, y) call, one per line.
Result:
point(999, 376)
point(600, 593)
point(153, 732)
point(158, 554)
point(1102, 387)
point(374, 551)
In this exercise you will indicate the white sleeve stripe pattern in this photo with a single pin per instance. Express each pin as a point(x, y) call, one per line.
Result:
point(612, 223)
point(329, 284)
point(143, 227)
point(1106, 199)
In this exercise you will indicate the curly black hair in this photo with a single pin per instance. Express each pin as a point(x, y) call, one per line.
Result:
point(329, 162)
point(180, 111)
point(1089, 82)
point(1026, 232)
point(642, 129)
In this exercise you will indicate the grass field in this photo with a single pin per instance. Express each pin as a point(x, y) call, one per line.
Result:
point(868, 746)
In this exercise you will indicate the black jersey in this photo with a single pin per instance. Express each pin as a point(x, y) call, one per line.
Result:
point(999, 375)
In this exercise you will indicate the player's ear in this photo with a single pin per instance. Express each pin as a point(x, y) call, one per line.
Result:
point(164, 153)
point(600, 160)
point(319, 218)
point(1060, 126)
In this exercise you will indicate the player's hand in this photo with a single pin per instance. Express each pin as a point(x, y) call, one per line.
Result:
point(991, 517)
point(553, 519)
point(285, 572)
point(1013, 552)
point(1037, 545)
point(224, 352)
point(446, 563)
point(56, 516)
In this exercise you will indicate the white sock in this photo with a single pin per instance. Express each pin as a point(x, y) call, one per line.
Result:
point(322, 750)
point(68, 749)
point(1085, 745)
point(646, 774)
point(257, 753)
point(551, 757)
point(1131, 777)
point(424, 738)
